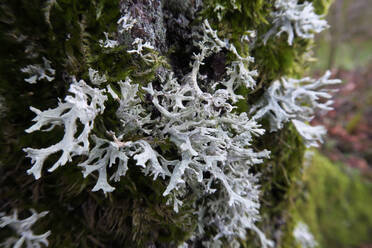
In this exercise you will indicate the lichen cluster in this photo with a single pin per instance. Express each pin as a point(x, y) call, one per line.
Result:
point(23, 230)
point(168, 105)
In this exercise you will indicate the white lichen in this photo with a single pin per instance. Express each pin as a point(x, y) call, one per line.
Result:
point(126, 23)
point(211, 142)
point(214, 141)
point(108, 43)
point(106, 154)
point(39, 72)
point(130, 112)
point(140, 48)
point(82, 108)
point(308, 157)
point(303, 236)
point(23, 231)
point(293, 18)
point(95, 78)
point(311, 135)
point(296, 100)
point(237, 73)
point(49, 4)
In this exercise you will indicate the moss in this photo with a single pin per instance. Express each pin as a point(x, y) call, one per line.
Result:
point(330, 198)
point(322, 6)
point(335, 203)
point(273, 60)
point(233, 20)
point(135, 215)
point(279, 180)
point(277, 58)
point(236, 17)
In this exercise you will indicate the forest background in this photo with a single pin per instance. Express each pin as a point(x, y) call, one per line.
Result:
point(345, 48)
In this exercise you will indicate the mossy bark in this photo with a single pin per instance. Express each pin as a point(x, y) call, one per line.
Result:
point(67, 33)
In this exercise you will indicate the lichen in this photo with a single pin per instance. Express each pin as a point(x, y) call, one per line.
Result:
point(22, 228)
point(188, 127)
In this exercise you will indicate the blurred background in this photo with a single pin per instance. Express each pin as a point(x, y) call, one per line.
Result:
point(346, 48)
point(337, 204)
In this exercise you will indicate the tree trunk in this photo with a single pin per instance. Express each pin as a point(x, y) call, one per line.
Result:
point(48, 46)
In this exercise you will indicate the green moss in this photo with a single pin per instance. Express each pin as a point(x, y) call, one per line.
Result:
point(237, 16)
point(335, 204)
point(322, 6)
point(233, 20)
point(334, 201)
point(273, 60)
point(277, 58)
point(136, 214)
point(281, 174)
point(279, 180)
